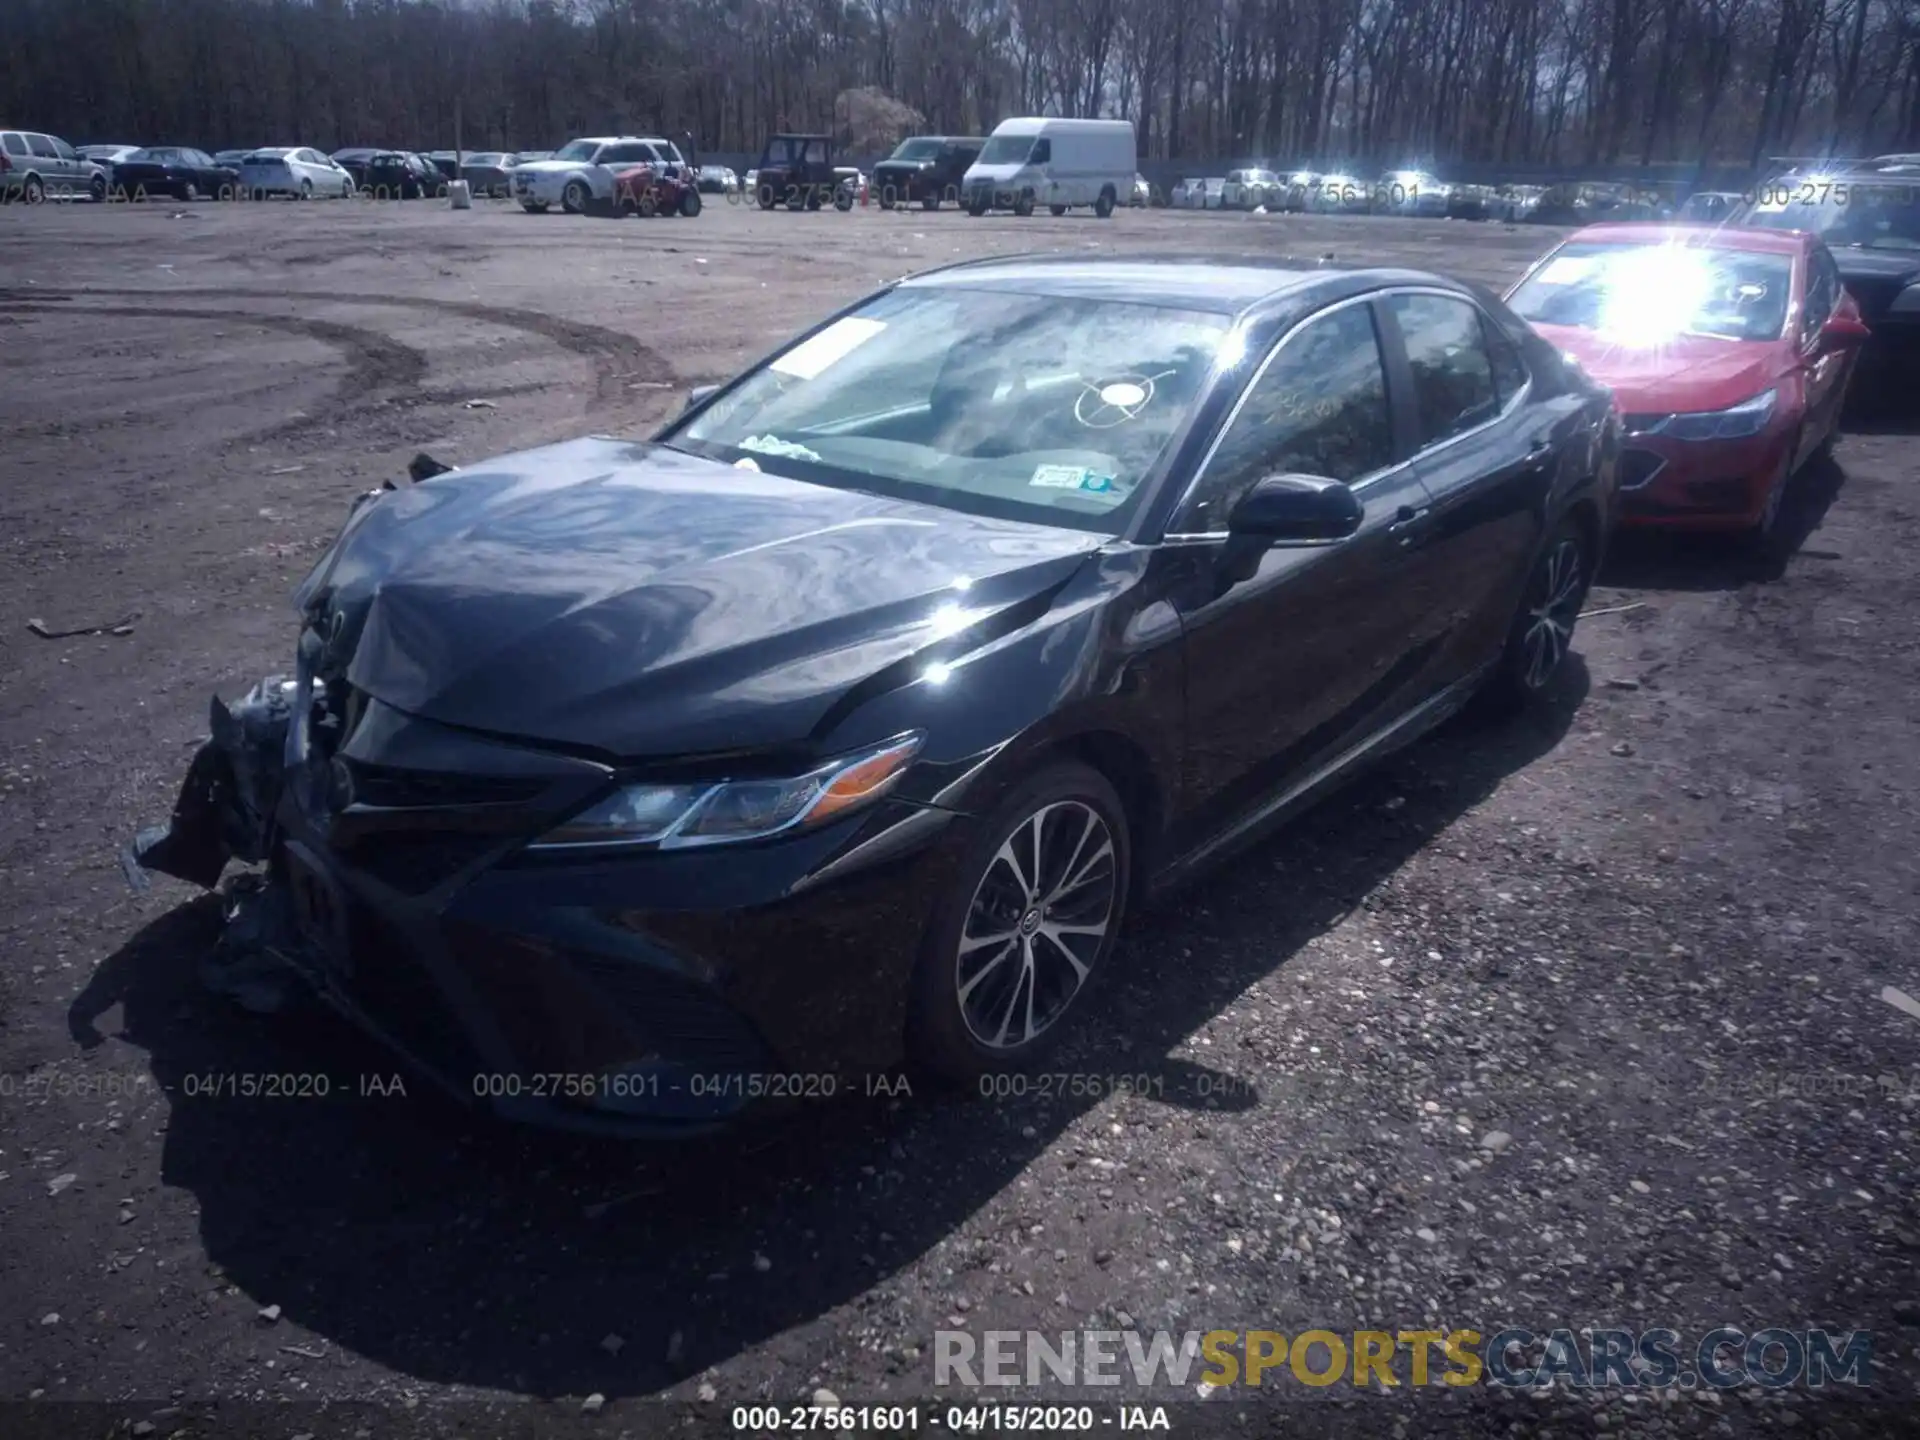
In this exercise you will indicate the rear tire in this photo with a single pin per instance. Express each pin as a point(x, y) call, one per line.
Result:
point(1103, 207)
point(189, 192)
point(1023, 207)
point(978, 1007)
point(97, 189)
point(306, 189)
point(33, 190)
point(690, 203)
point(1057, 209)
point(1541, 635)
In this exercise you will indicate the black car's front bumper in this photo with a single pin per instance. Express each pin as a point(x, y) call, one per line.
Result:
point(649, 994)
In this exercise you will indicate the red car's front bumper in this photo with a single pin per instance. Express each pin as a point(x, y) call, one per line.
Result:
point(1721, 485)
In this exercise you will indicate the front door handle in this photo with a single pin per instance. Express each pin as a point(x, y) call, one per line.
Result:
point(1408, 523)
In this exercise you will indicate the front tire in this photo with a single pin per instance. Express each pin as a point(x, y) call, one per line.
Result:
point(1032, 917)
point(1541, 635)
point(97, 189)
point(33, 190)
point(306, 189)
point(1764, 539)
point(1057, 210)
point(189, 192)
point(573, 199)
point(1023, 207)
point(690, 203)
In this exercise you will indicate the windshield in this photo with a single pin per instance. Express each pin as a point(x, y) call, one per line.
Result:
point(577, 150)
point(921, 149)
point(1006, 150)
point(158, 155)
point(1025, 407)
point(1646, 293)
point(1841, 212)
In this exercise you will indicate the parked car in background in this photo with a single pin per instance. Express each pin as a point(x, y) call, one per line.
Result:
point(1297, 188)
point(1867, 212)
point(718, 180)
point(1514, 203)
point(905, 651)
point(489, 172)
point(525, 157)
point(581, 172)
point(105, 155)
point(1411, 193)
point(294, 171)
point(1189, 194)
point(1059, 163)
point(446, 162)
point(230, 157)
point(1213, 193)
point(353, 159)
point(1142, 191)
point(35, 165)
point(1249, 189)
point(176, 170)
point(400, 175)
point(1708, 207)
point(1729, 353)
point(1596, 202)
point(1340, 192)
point(1471, 202)
point(925, 170)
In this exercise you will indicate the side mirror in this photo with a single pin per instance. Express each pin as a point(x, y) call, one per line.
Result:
point(1286, 510)
point(1843, 331)
point(1296, 509)
point(698, 396)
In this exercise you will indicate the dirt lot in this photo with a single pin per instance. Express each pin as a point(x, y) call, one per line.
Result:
point(1644, 938)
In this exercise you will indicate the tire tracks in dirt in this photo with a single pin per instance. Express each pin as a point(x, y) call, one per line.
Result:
point(619, 360)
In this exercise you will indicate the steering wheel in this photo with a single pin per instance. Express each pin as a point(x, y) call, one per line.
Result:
point(1115, 400)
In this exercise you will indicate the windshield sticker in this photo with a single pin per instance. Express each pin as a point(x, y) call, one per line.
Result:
point(832, 345)
point(1567, 269)
point(774, 445)
point(1070, 477)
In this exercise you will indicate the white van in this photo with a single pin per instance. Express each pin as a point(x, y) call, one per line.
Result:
point(1057, 163)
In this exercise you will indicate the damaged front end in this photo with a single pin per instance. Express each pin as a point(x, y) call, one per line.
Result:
point(228, 808)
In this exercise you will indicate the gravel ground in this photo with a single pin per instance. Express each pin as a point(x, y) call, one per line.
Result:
point(1580, 1021)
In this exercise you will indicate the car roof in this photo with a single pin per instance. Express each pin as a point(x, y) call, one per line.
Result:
point(1710, 237)
point(1225, 285)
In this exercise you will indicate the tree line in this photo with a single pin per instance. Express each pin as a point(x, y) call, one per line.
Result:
point(1534, 82)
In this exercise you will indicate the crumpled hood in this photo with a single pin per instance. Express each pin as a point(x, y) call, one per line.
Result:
point(1680, 375)
point(633, 600)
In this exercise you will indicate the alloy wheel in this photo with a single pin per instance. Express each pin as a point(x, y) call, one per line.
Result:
point(1037, 921)
point(1553, 605)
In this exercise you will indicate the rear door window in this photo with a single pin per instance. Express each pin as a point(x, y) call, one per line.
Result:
point(1453, 382)
point(42, 146)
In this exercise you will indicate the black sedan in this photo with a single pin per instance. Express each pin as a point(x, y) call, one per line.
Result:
point(175, 170)
point(626, 784)
point(398, 175)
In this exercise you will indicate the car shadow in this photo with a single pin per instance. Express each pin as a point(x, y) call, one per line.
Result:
point(452, 1249)
point(1670, 560)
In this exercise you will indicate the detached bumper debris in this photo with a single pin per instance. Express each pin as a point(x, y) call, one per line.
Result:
point(226, 804)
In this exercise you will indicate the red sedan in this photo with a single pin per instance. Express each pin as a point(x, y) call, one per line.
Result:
point(1728, 352)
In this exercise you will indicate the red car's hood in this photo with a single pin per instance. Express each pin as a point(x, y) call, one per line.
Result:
point(1683, 373)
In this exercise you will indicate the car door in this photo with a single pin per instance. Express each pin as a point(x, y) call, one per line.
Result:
point(46, 160)
point(1315, 649)
point(1486, 455)
point(75, 172)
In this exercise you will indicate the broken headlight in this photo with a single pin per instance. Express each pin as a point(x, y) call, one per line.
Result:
point(681, 816)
